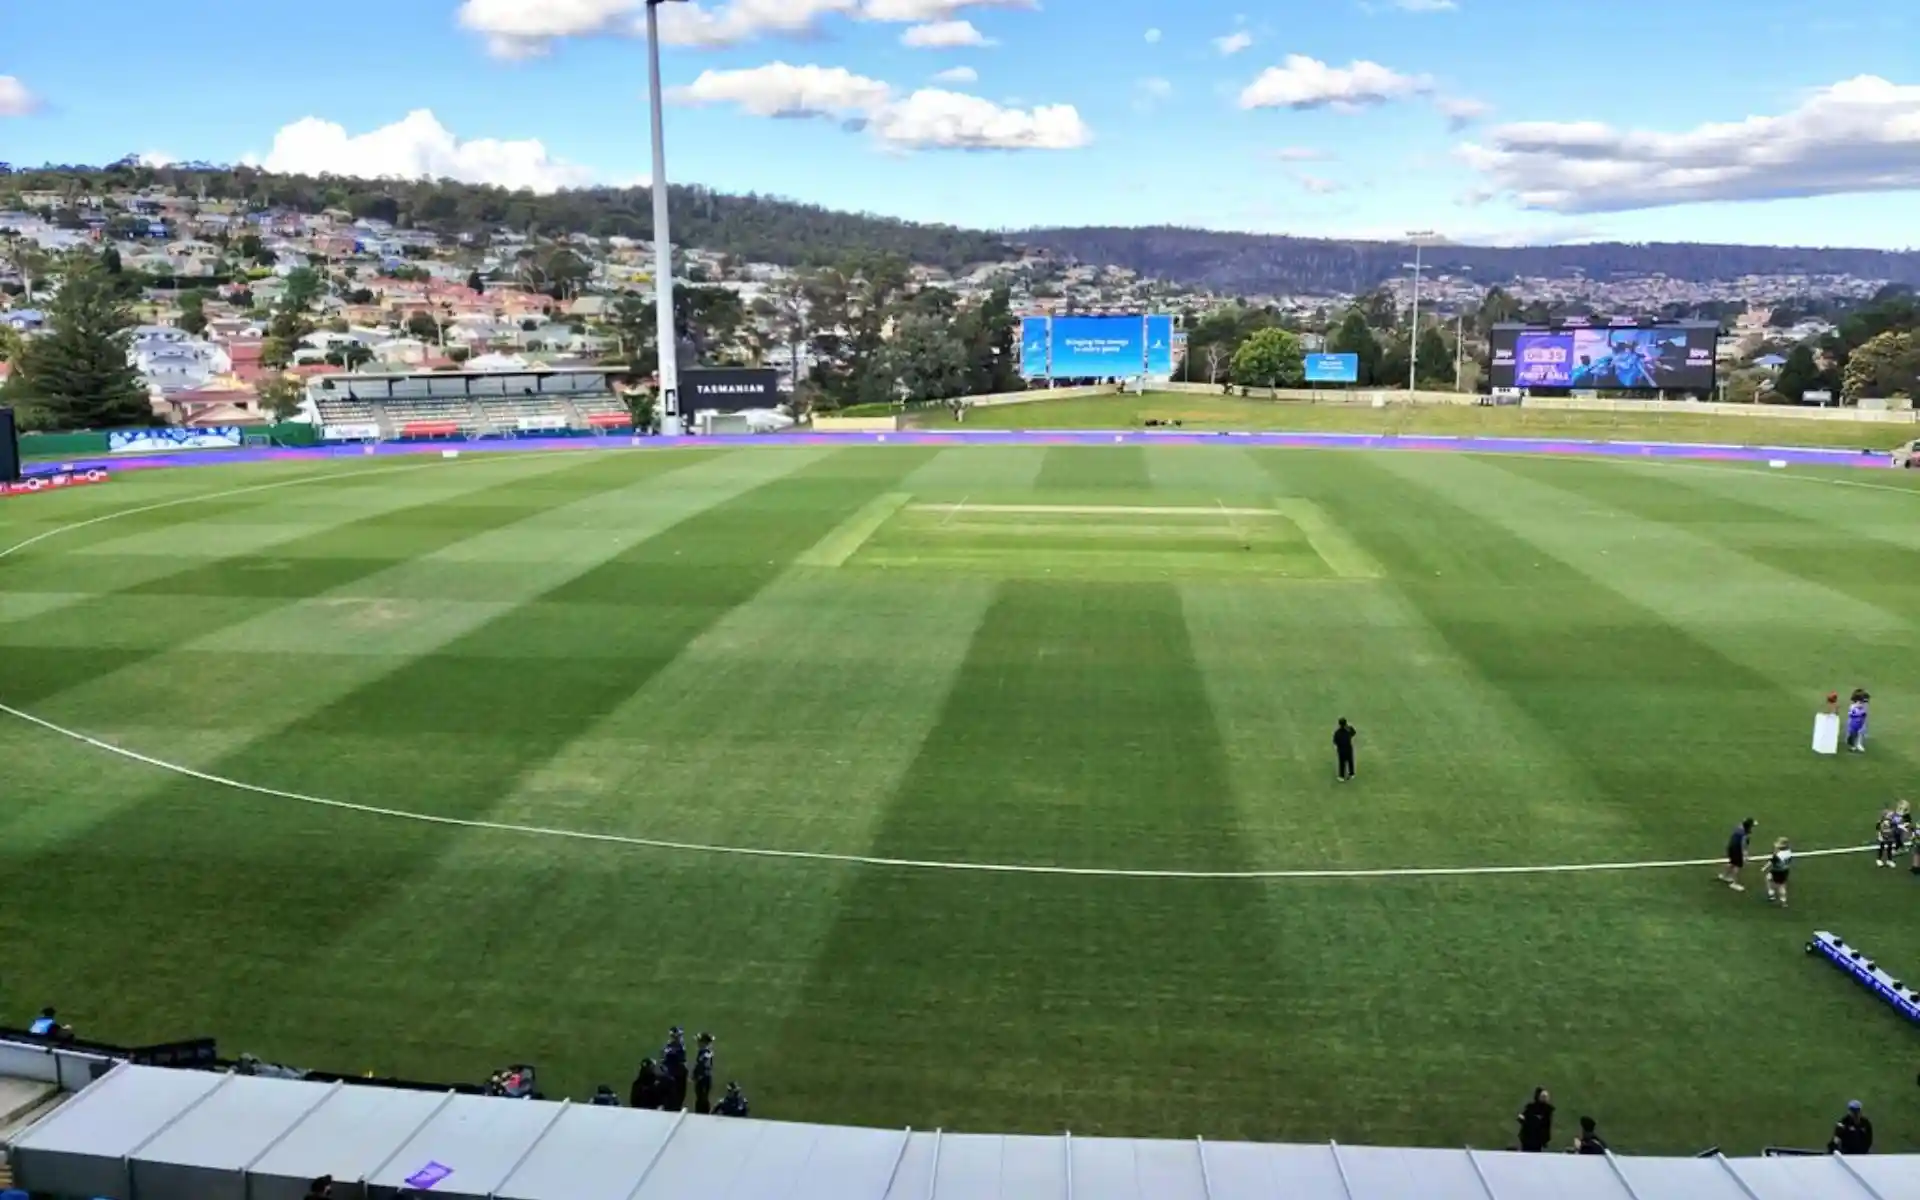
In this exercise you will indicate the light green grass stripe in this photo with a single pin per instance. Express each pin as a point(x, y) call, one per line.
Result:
point(1281, 665)
point(837, 547)
point(961, 471)
point(254, 703)
point(1328, 540)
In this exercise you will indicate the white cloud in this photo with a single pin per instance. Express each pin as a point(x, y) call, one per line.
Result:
point(1319, 185)
point(1461, 111)
point(15, 99)
point(157, 159)
point(524, 28)
point(943, 35)
point(936, 119)
point(1153, 37)
point(1299, 154)
point(1233, 43)
point(1857, 136)
point(1149, 93)
point(957, 75)
point(521, 28)
point(739, 21)
point(781, 90)
point(416, 147)
point(913, 11)
point(930, 118)
point(1303, 83)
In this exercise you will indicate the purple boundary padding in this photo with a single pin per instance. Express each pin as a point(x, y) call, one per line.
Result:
point(1804, 457)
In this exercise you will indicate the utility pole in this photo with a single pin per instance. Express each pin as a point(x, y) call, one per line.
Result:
point(666, 330)
point(1418, 237)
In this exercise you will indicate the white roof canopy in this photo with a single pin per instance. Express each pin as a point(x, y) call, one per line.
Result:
point(167, 1134)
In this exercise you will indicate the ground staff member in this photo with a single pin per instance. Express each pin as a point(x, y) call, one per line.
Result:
point(1343, 735)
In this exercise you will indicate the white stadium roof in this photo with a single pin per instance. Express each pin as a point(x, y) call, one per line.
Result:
point(168, 1134)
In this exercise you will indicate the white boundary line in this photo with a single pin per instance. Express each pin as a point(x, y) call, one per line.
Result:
point(866, 860)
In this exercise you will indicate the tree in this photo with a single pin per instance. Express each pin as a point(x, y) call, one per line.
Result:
point(1435, 366)
point(925, 360)
point(1353, 336)
point(1270, 358)
point(420, 324)
point(250, 246)
point(1887, 366)
point(1798, 375)
point(280, 395)
point(475, 283)
point(193, 312)
point(110, 260)
point(350, 355)
point(303, 288)
point(11, 344)
point(78, 374)
point(1216, 358)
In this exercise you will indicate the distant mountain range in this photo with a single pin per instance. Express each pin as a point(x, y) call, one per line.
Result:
point(1257, 264)
point(772, 229)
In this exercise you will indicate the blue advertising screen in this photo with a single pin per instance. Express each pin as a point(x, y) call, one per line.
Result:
point(1099, 347)
point(1641, 358)
point(1033, 347)
point(1160, 345)
point(1333, 368)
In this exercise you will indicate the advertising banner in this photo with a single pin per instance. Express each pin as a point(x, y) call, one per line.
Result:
point(1035, 339)
point(545, 424)
point(1099, 347)
point(350, 433)
point(48, 483)
point(159, 441)
point(1160, 346)
point(1333, 368)
point(1606, 357)
point(728, 389)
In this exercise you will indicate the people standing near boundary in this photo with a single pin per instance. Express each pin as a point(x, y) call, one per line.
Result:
point(1343, 735)
point(1737, 854)
point(703, 1074)
point(1891, 833)
point(1779, 865)
point(673, 1062)
point(1536, 1122)
point(1588, 1141)
point(1852, 1133)
point(1857, 721)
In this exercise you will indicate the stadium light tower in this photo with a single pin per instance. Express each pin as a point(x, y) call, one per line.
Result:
point(666, 332)
point(1418, 237)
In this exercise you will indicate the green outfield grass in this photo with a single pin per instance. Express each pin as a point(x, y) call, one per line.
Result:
point(1200, 411)
point(1104, 657)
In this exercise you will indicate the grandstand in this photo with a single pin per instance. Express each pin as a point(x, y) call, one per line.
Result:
point(465, 404)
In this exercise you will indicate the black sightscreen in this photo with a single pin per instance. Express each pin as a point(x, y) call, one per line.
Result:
point(9, 448)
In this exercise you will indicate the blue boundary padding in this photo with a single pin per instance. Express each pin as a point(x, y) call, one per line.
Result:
point(1867, 974)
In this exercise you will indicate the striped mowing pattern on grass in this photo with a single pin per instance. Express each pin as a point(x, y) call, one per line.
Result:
point(1548, 661)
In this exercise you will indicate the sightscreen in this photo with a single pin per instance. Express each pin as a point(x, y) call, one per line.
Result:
point(1615, 357)
point(9, 448)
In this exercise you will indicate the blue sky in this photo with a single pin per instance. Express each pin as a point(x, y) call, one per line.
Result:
point(1784, 121)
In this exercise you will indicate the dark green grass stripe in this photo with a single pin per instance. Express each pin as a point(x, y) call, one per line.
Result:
point(1095, 469)
point(258, 890)
point(1078, 731)
point(1821, 552)
point(1673, 734)
point(204, 597)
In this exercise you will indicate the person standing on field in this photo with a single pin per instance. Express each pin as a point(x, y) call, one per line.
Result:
point(1857, 721)
point(1779, 866)
point(703, 1074)
point(1737, 854)
point(1536, 1122)
point(1343, 735)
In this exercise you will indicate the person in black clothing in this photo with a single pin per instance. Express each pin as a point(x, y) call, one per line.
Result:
point(1589, 1141)
point(1853, 1133)
point(1536, 1122)
point(673, 1061)
point(1343, 735)
point(703, 1074)
point(733, 1104)
point(605, 1097)
point(647, 1090)
point(321, 1188)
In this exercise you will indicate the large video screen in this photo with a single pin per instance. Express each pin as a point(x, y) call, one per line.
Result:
point(1099, 347)
point(1676, 358)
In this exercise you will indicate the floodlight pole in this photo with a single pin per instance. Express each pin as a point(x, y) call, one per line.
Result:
point(666, 332)
point(1413, 332)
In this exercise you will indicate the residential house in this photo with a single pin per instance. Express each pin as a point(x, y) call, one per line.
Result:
point(221, 401)
point(24, 320)
point(402, 351)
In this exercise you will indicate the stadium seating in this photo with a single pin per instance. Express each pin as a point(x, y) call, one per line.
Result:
point(416, 412)
point(527, 413)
